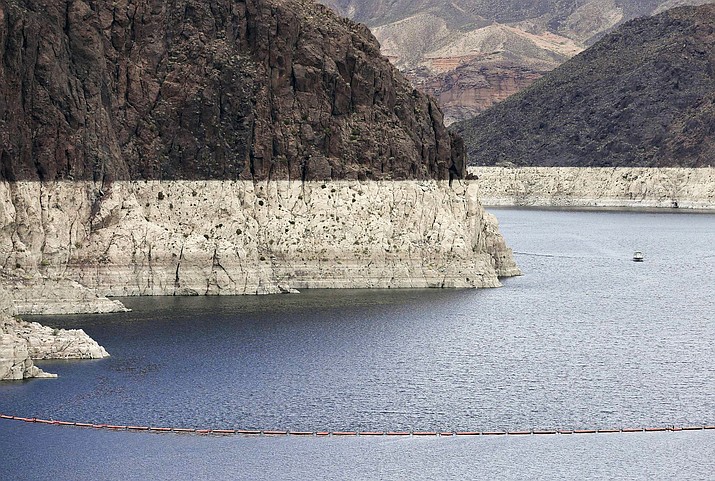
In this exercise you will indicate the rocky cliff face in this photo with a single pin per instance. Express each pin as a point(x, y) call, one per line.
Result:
point(245, 237)
point(643, 96)
point(255, 89)
point(464, 52)
point(228, 147)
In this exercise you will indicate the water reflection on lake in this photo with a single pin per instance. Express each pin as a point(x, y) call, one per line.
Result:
point(585, 339)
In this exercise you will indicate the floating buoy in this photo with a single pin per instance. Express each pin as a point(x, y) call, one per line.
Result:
point(113, 427)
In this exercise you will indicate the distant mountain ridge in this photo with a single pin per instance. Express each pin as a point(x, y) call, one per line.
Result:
point(471, 54)
point(643, 96)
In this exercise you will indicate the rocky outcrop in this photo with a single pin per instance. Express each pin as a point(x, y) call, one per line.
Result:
point(448, 47)
point(22, 342)
point(596, 187)
point(250, 90)
point(52, 295)
point(229, 147)
point(15, 361)
point(641, 97)
point(47, 343)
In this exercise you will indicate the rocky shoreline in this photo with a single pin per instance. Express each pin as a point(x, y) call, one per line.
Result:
point(22, 342)
point(227, 148)
point(228, 238)
point(621, 187)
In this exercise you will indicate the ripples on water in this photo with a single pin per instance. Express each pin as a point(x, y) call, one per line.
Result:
point(585, 339)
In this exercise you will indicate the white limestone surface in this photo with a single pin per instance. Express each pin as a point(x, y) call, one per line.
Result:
point(44, 342)
point(244, 237)
point(15, 361)
point(39, 295)
point(596, 187)
point(23, 342)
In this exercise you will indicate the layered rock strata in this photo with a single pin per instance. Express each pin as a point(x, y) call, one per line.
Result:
point(596, 187)
point(471, 54)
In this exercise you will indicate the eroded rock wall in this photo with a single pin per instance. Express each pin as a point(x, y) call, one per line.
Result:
point(245, 237)
point(596, 187)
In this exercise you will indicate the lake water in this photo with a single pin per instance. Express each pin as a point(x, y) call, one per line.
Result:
point(586, 339)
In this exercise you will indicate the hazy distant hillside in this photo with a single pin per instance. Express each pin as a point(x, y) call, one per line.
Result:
point(642, 96)
point(473, 53)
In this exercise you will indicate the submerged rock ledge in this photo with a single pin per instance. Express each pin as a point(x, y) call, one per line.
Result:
point(630, 187)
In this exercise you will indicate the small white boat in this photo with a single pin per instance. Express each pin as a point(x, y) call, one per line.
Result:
point(638, 256)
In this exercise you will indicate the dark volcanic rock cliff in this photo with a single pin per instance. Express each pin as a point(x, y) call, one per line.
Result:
point(226, 89)
point(643, 96)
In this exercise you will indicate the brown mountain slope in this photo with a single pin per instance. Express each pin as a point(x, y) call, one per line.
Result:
point(249, 89)
point(473, 53)
point(642, 96)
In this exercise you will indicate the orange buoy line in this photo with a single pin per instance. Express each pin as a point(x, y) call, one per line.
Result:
point(253, 432)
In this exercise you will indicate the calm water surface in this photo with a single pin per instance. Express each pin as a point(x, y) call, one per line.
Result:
point(585, 339)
